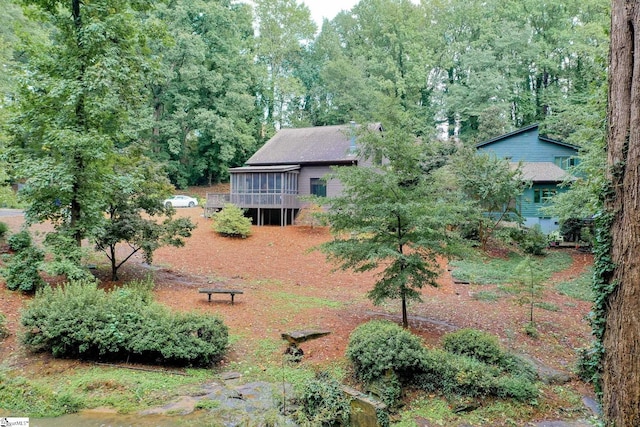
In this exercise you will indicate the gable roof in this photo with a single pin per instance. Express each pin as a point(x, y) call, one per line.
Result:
point(538, 172)
point(523, 130)
point(313, 145)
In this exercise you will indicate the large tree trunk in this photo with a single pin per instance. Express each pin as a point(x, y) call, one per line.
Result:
point(621, 362)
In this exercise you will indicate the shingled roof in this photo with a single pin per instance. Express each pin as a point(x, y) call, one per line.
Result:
point(541, 172)
point(314, 145)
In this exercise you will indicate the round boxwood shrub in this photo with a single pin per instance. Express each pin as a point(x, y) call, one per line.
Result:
point(81, 320)
point(379, 346)
point(231, 222)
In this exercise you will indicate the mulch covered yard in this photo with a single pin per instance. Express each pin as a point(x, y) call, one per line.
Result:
point(288, 286)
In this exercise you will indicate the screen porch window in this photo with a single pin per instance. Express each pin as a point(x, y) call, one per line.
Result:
point(318, 187)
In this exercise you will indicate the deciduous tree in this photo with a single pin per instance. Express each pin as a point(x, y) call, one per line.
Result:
point(620, 295)
point(78, 91)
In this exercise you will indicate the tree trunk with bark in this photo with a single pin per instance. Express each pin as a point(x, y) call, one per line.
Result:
point(621, 339)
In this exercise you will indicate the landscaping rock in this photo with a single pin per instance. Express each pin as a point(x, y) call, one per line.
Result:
point(364, 409)
point(592, 405)
point(547, 374)
point(577, 423)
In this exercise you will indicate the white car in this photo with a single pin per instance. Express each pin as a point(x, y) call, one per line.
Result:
point(181, 201)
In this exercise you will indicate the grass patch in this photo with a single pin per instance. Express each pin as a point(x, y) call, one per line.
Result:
point(291, 303)
point(487, 296)
point(90, 387)
point(578, 288)
point(442, 412)
point(546, 306)
point(498, 271)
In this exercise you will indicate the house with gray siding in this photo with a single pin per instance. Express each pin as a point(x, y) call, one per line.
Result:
point(544, 162)
point(287, 167)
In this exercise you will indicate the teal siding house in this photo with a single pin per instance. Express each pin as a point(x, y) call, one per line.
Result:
point(544, 164)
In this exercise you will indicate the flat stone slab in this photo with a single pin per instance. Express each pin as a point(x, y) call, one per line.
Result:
point(578, 423)
point(297, 337)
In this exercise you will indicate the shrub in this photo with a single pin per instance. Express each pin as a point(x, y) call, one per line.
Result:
point(378, 347)
point(455, 374)
point(462, 375)
point(515, 387)
point(4, 332)
point(19, 241)
point(485, 348)
point(473, 343)
point(22, 270)
point(387, 388)
point(533, 241)
point(323, 402)
point(4, 229)
point(231, 222)
point(80, 320)
point(518, 366)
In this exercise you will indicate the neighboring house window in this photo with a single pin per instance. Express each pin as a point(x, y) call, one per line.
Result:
point(543, 195)
point(565, 162)
point(318, 187)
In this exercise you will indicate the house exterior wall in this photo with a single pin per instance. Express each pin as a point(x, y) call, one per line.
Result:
point(334, 187)
point(530, 210)
point(527, 147)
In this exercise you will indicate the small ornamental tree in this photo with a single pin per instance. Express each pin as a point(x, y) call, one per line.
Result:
point(392, 215)
point(491, 185)
point(136, 216)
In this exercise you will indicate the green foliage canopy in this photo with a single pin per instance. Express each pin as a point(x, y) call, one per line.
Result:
point(390, 215)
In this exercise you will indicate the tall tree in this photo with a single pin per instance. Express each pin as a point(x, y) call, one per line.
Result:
point(284, 27)
point(621, 305)
point(389, 216)
point(203, 94)
point(78, 92)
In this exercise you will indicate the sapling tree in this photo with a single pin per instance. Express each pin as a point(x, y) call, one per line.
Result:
point(393, 215)
point(528, 279)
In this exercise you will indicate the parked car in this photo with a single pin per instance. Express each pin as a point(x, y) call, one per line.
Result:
point(181, 201)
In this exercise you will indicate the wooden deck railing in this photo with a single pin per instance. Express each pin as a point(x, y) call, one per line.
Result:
point(216, 201)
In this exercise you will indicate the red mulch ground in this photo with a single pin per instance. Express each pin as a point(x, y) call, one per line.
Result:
point(281, 278)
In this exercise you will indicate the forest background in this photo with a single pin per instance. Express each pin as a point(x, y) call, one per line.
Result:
point(214, 80)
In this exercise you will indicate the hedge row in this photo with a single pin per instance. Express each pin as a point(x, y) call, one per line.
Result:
point(80, 320)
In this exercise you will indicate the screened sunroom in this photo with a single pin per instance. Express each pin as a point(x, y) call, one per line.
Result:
point(269, 193)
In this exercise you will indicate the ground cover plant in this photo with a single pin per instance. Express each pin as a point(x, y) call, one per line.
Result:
point(578, 287)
